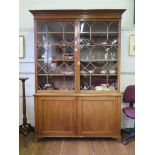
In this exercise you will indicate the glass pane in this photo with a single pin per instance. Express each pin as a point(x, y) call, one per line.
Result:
point(85, 53)
point(99, 53)
point(55, 38)
point(42, 67)
point(113, 39)
point(85, 27)
point(55, 27)
point(68, 27)
point(41, 27)
point(85, 82)
point(100, 38)
point(61, 82)
point(112, 53)
point(84, 39)
point(113, 27)
point(69, 38)
point(99, 27)
point(42, 82)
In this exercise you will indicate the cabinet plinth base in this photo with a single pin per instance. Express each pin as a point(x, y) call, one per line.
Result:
point(78, 116)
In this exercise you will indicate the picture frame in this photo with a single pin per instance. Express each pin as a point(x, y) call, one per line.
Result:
point(132, 45)
point(21, 47)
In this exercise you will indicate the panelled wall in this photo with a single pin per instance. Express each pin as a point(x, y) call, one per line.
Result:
point(26, 65)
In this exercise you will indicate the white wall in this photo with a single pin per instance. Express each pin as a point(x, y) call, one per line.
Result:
point(26, 65)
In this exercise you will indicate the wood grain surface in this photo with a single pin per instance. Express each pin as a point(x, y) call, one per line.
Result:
point(64, 146)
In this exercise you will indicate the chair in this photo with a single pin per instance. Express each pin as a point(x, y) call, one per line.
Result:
point(129, 97)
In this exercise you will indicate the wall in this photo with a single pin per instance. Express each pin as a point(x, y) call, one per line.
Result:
point(26, 65)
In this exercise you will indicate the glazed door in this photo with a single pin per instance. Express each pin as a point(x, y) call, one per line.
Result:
point(99, 55)
point(55, 55)
point(99, 116)
point(56, 116)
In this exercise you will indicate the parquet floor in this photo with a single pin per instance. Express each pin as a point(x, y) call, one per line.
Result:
point(64, 146)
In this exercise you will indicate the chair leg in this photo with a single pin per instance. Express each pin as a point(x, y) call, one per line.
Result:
point(128, 138)
point(126, 130)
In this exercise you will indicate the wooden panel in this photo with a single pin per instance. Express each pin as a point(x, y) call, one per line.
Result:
point(97, 116)
point(56, 115)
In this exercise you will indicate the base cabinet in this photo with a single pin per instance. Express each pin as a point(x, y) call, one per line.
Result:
point(77, 116)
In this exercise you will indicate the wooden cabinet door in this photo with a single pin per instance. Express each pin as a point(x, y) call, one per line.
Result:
point(55, 116)
point(99, 116)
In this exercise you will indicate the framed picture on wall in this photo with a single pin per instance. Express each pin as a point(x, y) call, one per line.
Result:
point(132, 45)
point(21, 46)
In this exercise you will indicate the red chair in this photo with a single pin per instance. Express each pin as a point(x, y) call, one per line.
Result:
point(129, 97)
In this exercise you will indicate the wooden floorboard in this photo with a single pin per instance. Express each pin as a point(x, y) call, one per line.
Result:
point(130, 147)
point(64, 146)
